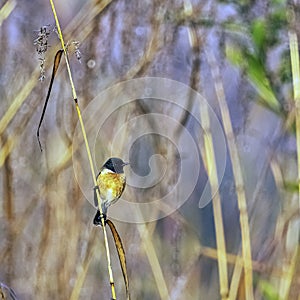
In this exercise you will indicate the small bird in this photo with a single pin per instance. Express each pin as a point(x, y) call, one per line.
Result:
point(111, 183)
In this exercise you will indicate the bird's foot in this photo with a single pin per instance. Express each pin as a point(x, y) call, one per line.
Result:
point(98, 219)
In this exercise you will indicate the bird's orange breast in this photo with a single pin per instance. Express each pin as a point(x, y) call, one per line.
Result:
point(111, 185)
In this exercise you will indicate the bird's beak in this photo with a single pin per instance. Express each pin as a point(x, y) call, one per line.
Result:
point(126, 163)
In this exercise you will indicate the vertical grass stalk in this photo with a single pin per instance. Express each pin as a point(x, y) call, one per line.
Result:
point(286, 282)
point(238, 177)
point(217, 209)
point(209, 158)
point(212, 172)
point(153, 261)
point(296, 88)
point(111, 280)
point(7, 9)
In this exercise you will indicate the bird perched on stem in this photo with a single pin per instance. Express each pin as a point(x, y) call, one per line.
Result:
point(111, 183)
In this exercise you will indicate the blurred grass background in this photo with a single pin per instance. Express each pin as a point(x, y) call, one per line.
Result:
point(237, 55)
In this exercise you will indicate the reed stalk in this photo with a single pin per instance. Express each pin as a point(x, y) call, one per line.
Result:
point(110, 273)
point(238, 176)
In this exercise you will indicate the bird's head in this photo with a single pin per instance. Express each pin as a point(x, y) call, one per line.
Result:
point(115, 164)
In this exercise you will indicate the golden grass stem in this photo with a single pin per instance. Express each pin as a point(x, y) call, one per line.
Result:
point(238, 177)
point(217, 209)
point(89, 254)
point(153, 261)
point(6, 10)
point(209, 161)
point(80, 279)
point(288, 270)
point(17, 102)
point(235, 280)
point(111, 279)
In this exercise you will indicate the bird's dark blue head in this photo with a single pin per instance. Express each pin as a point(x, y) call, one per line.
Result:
point(115, 164)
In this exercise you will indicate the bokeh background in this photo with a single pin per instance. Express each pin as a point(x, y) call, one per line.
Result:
point(237, 55)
